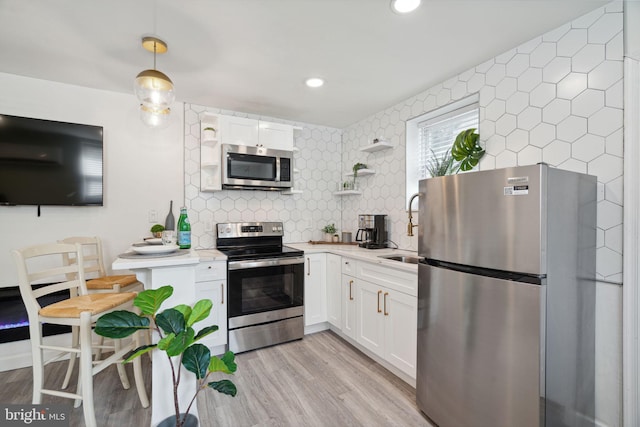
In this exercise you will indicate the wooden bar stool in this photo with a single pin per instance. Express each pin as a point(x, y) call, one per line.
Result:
point(43, 265)
point(98, 282)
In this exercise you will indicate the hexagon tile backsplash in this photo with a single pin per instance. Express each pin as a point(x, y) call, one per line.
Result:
point(555, 99)
point(304, 214)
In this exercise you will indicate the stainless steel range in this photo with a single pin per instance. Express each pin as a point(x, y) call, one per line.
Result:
point(265, 282)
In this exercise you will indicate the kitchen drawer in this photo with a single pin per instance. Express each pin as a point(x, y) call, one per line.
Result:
point(211, 270)
point(402, 281)
point(349, 266)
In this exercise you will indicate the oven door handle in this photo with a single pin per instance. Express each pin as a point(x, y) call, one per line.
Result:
point(269, 262)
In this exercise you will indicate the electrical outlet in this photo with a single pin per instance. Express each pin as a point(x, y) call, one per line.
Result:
point(309, 224)
point(153, 216)
point(208, 226)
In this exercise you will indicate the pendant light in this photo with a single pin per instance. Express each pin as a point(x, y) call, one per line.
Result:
point(153, 88)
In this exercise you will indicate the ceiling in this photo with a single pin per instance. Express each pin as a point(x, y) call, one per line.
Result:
point(254, 55)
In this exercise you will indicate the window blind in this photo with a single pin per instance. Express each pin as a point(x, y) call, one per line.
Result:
point(438, 133)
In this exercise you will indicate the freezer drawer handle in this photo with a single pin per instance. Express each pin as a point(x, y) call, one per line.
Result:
point(386, 313)
point(379, 311)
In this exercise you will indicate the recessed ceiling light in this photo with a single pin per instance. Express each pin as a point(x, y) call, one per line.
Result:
point(404, 6)
point(314, 82)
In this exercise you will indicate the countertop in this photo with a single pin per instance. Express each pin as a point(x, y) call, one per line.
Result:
point(356, 252)
point(191, 257)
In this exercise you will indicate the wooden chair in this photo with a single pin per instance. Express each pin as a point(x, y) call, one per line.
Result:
point(43, 265)
point(97, 282)
point(94, 271)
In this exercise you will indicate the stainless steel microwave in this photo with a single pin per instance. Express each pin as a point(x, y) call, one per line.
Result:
point(256, 168)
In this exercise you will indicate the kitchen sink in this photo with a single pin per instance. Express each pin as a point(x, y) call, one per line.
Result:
point(402, 258)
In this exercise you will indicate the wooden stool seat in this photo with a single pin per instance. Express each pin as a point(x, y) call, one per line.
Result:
point(93, 303)
point(110, 282)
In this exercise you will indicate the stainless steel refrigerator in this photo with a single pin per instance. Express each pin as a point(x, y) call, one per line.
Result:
point(506, 298)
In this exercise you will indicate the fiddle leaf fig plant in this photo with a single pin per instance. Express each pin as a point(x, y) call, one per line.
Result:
point(466, 150)
point(178, 340)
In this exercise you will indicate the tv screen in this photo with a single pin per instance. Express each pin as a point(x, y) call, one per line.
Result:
point(44, 162)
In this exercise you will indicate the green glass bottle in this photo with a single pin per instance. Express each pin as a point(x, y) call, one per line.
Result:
point(184, 229)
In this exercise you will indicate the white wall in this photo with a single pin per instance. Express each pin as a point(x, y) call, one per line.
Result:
point(142, 169)
point(557, 98)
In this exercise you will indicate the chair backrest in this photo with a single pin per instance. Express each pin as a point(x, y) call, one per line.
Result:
point(92, 254)
point(43, 265)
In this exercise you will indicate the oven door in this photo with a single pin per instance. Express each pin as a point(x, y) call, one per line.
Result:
point(265, 285)
point(244, 166)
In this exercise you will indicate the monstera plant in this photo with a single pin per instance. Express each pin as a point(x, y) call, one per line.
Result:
point(178, 339)
point(466, 150)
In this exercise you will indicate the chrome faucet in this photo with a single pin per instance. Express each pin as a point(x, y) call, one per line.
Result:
point(411, 224)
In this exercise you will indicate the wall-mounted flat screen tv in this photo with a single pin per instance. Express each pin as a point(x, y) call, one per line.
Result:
point(44, 162)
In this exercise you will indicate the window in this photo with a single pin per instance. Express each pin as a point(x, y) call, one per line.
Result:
point(432, 134)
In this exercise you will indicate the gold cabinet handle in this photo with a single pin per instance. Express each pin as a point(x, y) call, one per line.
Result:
point(308, 267)
point(386, 313)
point(221, 293)
point(379, 311)
point(350, 290)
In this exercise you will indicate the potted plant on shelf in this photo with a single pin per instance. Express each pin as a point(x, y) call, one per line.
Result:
point(209, 133)
point(355, 170)
point(329, 231)
point(177, 340)
point(157, 230)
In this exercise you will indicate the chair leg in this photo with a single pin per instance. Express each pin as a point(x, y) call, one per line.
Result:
point(72, 357)
point(37, 359)
point(98, 355)
point(86, 369)
point(137, 374)
point(124, 379)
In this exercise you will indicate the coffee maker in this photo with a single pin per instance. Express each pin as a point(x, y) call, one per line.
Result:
point(372, 231)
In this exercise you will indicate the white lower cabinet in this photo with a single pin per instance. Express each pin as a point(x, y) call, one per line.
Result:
point(334, 290)
point(211, 283)
point(348, 306)
point(370, 320)
point(387, 324)
point(315, 289)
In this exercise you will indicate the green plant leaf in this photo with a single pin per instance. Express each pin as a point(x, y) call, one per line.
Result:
point(224, 387)
point(229, 359)
point(227, 366)
point(163, 344)
point(120, 324)
point(137, 352)
point(466, 150)
point(201, 311)
point(206, 331)
point(150, 300)
point(184, 309)
point(180, 342)
point(171, 320)
point(196, 359)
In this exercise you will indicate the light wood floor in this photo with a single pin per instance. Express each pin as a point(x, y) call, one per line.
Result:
point(318, 381)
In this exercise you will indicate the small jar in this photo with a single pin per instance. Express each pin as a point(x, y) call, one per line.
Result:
point(335, 238)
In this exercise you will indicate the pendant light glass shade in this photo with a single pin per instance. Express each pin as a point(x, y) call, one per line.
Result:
point(154, 117)
point(154, 88)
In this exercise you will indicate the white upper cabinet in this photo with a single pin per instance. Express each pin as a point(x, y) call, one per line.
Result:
point(243, 131)
point(276, 135)
point(238, 130)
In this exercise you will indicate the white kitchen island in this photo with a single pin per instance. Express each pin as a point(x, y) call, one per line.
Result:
point(180, 273)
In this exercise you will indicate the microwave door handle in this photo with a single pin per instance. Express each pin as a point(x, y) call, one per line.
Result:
point(277, 169)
